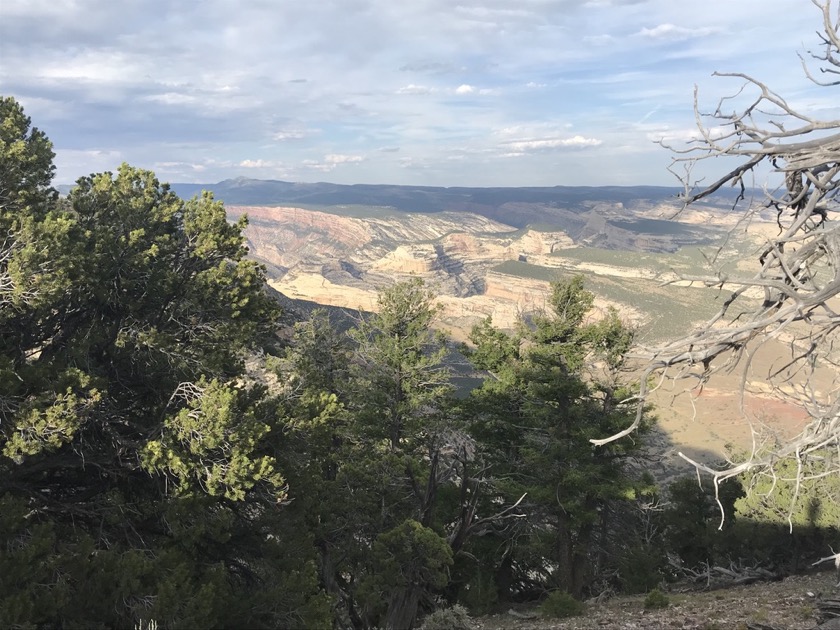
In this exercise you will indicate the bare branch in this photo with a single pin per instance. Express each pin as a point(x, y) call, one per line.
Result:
point(793, 296)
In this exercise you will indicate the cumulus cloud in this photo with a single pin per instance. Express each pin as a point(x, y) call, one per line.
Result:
point(674, 32)
point(331, 161)
point(545, 144)
point(170, 166)
point(338, 158)
point(95, 67)
point(99, 75)
point(257, 164)
point(466, 89)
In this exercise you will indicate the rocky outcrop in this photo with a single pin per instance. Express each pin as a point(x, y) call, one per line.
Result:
point(341, 260)
point(418, 259)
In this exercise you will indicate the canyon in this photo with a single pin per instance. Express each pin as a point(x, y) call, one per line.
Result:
point(479, 266)
point(494, 252)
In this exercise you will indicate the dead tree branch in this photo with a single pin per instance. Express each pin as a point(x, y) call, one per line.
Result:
point(793, 297)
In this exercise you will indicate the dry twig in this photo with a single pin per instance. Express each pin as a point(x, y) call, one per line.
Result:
point(798, 269)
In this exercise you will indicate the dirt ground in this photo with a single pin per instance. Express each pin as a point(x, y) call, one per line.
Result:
point(788, 604)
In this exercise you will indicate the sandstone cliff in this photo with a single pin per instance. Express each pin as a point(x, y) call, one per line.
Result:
point(341, 260)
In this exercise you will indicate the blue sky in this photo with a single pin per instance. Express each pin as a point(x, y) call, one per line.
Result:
point(422, 92)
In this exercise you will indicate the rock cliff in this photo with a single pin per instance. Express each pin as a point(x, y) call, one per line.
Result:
point(341, 260)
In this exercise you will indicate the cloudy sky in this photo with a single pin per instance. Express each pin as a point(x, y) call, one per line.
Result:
point(423, 92)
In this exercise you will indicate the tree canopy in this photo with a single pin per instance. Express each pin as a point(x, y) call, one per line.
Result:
point(130, 441)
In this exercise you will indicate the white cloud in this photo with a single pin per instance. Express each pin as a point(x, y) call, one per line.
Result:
point(171, 98)
point(337, 158)
point(179, 166)
point(331, 161)
point(257, 164)
point(674, 32)
point(686, 135)
point(104, 68)
point(543, 144)
point(290, 134)
point(99, 75)
point(466, 89)
point(411, 88)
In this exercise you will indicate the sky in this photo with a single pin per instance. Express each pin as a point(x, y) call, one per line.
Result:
point(416, 92)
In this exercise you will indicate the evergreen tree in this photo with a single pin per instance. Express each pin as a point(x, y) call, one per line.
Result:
point(138, 472)
point(366, 420)
point(534, 417)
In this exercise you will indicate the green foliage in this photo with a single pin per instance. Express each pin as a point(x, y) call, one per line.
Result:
point(139, 475)
point(656, 600)
point(411, 554)
point(211, 444)
point(534, 418)
point(399, 364)
point(480, 594)
point(560, 605)
point(784, 524)
point(364, 470)
point(778, 497)
point(492, 348)
point(26, 167)
point(692, 518)
point(642, 568)
point(452, 618)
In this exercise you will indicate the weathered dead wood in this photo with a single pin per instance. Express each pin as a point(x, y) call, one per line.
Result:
point(793, 296)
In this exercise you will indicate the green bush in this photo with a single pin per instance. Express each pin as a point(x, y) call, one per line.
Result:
point(656, 599)
point(480, 594)
point(642, 568)
point(560, 604)
point(454, 618)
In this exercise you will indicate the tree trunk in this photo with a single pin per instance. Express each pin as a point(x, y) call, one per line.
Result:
point(565, 577)
point(402, 608)
point(504, 577)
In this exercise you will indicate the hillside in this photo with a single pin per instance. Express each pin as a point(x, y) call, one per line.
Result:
point(789, 604)
point(488, 252)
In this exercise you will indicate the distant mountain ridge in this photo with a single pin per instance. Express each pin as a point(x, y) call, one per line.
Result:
point(425, 199)
point(515, 206)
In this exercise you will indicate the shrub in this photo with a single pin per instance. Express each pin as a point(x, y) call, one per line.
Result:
point(561, 604)
point(642, 568)
point(454, 618)
point(656, 599)
point(480, 595)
